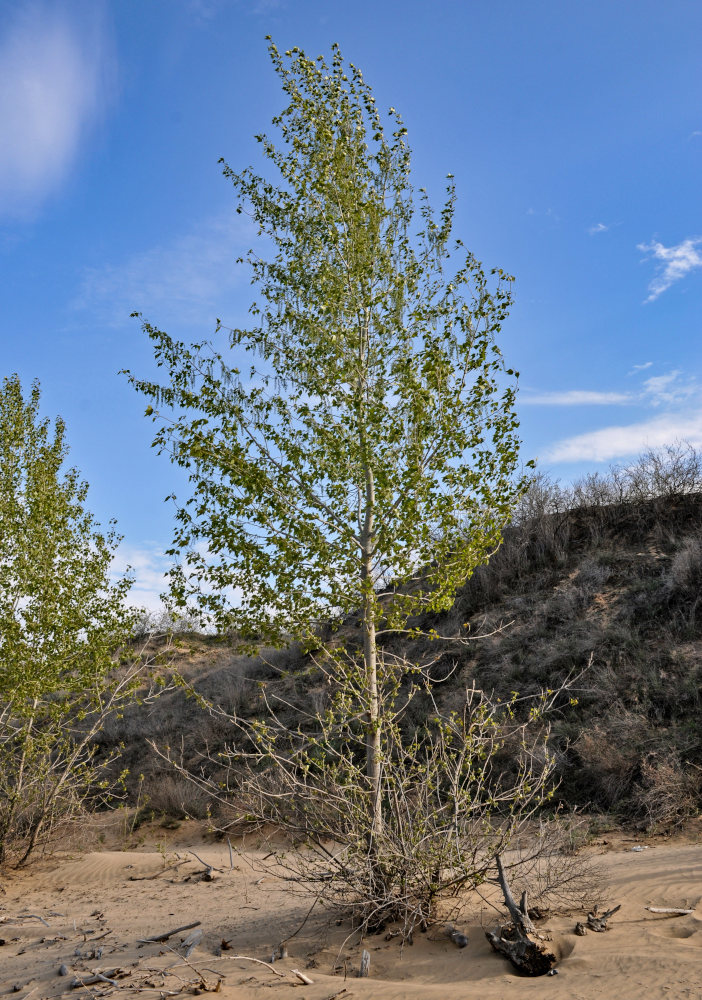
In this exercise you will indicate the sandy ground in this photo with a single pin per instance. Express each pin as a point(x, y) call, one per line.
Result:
point(87, 912)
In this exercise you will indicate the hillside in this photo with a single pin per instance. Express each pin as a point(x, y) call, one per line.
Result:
point(603, 581)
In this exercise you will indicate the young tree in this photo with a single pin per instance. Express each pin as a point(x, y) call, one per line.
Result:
point(61, 621)
point(363, 459)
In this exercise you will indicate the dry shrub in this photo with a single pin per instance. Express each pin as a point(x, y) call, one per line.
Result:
point(686, 568)
point(173, 795)
point(667, 793)
point(610, 754)
point(558, 875)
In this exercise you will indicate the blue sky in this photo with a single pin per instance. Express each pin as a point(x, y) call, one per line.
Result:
point(574, 131)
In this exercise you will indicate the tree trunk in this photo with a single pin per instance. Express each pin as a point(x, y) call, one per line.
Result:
point(370, 659)
point(373, 748)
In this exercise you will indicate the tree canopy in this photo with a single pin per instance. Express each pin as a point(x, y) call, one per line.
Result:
point(359, 438)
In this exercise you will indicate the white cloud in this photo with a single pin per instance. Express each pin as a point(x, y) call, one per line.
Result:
point(576, 397)
point(619, 442)
point(670, 388)
point(674, 263)
point(149, 565)
point(55, 77)
point(599, 227)
point(185, 282)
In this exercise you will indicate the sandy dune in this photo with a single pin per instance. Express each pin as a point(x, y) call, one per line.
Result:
point(87, 912)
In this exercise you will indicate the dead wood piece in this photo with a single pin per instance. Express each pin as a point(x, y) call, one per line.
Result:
point(109, 976)
point(459, 939)
point(208, 866)
point(191, 942)
point(158, 874)
point(670, 911)
point(518, 941)
point(98, 938)
point(598, 921)
point(165, 937)
point(33, 916)
point(339, 993)
point(302, 977)
point(365, 964)
point(580, 929)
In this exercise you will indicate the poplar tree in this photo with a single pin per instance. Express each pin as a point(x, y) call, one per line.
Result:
point(62, 618)
point(354, 450)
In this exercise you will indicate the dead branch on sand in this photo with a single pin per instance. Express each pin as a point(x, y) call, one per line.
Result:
point(519, 941)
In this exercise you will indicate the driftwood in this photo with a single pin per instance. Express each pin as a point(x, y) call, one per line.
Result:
point(98, 977)
point(302, 977)
point(670, 911)
point(519, 941)
point(365, 964)
point(598, 921)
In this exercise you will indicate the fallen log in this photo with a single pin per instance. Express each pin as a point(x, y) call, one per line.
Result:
point(519, 941)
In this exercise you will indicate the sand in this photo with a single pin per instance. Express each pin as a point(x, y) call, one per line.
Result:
point(87, 912)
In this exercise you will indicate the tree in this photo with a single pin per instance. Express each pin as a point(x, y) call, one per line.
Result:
point(354, 455)
point(61, 621)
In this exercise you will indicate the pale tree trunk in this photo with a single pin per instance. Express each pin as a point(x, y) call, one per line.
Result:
point(370, 650)
point(370, 662)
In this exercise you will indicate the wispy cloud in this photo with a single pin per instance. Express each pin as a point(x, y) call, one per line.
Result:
point(619, 442)
point(673, 263)
point(576, 397)
point(639, 368)
point(599, 227)
point(673, 387)
point(188, 281)
point(56, 76)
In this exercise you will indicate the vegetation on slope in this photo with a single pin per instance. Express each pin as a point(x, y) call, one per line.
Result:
point(603, 578)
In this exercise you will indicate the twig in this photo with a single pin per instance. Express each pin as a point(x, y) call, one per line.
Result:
point(158, 874)
point(165, 937)
point(33, 916)
point(98, 938)
point(207, 865)
point(295, 933)
point(197, 972)
point(258, 961)
point(231, 855)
